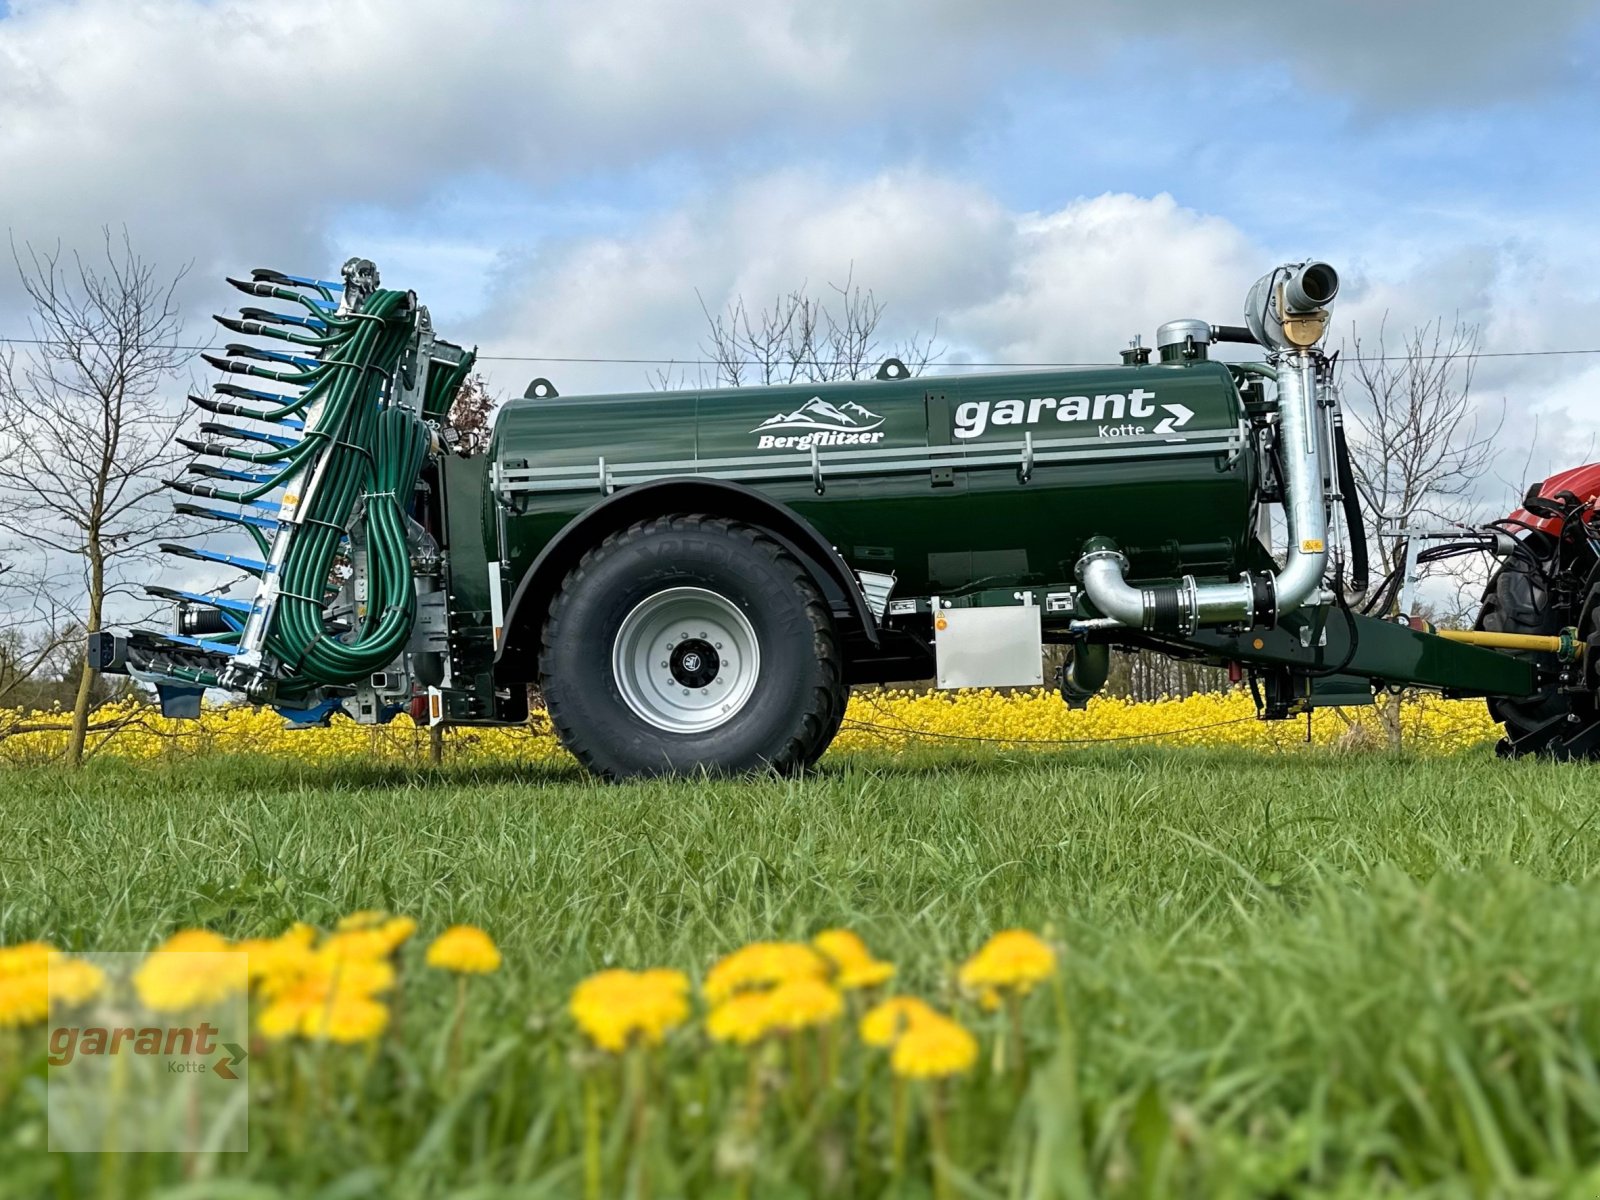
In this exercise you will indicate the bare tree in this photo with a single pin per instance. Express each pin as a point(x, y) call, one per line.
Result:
point(472, 415)
point(804, 338)
point(1419, 446)
point(85, 429)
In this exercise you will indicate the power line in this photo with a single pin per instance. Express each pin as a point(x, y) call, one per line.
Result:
point(611, 360)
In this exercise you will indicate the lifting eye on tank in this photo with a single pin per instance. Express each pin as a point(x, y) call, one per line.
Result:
point(893, 368)
point(540, 389)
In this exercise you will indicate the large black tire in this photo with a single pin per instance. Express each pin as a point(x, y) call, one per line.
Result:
point(1551, 723)
point(1515, 601)
point(623, 712)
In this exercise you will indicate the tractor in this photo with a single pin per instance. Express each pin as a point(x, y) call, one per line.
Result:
point(694, 580)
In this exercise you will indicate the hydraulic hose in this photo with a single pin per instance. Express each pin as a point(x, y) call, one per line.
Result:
point(1352, 508)
point(351, 439)
point(369, 455)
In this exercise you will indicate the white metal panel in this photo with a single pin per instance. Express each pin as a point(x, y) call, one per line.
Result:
point(988, 647)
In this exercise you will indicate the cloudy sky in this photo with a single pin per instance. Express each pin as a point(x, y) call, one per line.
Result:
point(1041, 178)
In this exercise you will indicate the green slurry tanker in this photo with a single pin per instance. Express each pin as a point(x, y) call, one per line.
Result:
point(695, 579)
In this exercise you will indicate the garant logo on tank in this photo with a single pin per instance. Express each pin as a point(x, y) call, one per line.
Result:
point(823, 424)
point(974, 417)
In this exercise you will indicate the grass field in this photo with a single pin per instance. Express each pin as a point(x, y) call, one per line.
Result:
point(1327, 975)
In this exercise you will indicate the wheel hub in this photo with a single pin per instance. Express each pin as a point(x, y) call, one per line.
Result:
point(694, 662)
point(686, 660)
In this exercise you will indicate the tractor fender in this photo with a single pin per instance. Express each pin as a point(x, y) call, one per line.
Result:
point(717, 497)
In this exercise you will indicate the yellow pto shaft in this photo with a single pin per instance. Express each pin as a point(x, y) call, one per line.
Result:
point(1565, 643)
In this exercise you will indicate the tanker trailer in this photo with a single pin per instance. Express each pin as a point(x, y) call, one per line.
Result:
point(695, 579)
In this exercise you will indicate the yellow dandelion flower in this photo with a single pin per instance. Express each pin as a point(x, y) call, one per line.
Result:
point(24, 999)
point(397, 930)
point(72, 980)
point(25, 958)
point(932, 1048)
point(802, 1003)
point(841, 946)
point(760, 965)
point(287, 954)
point(869, 973)
point(356, 944)
point(323, 973)
point(744, 1018)
point(332, 998)
point(887, 1020)
point(1013, 959)
point(346, 1019)
point(313, 1009)
point(613, 1007)
point(191, 968)
point(465, 949)
point(853, 964)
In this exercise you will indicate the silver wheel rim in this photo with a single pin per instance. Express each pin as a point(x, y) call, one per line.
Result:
point(686, 660)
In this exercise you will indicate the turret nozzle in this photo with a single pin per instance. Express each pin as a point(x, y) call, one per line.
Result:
point(1311, 285)
point(1287, 309)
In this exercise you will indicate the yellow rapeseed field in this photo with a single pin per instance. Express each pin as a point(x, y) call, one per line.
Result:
point(876, 721)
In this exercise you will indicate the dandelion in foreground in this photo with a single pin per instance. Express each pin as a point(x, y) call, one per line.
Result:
point(311, 1009)
point(24, 999)
point(1006, 968)
point(193, 967)
point(333, 999)
point(887, 1020)
point(742, 1019)
point(72, 980)
point(802, 1004)
point(933, 1047)
point(762, 965)
point(25, 958)
point(1013, 960)
point(464, 949)
point(288, 954)
point(380, 937)
point(615, 1008)
point(853, 964)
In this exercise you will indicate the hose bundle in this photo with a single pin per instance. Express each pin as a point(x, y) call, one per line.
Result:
point(357, 458)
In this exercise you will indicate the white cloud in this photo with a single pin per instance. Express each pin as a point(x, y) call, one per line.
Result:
point(225, 129)
point(1071, 285)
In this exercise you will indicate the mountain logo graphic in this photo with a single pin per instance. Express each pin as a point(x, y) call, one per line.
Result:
point(817, 414)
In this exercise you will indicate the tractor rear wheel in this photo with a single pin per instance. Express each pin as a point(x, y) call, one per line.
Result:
point(1552, 722)
point(691, 643)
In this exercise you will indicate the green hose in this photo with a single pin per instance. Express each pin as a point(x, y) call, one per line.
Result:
point(366, 454)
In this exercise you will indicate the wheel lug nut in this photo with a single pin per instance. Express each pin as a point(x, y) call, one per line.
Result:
point(719, 645)
point(663, 662)
point(685, 691)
